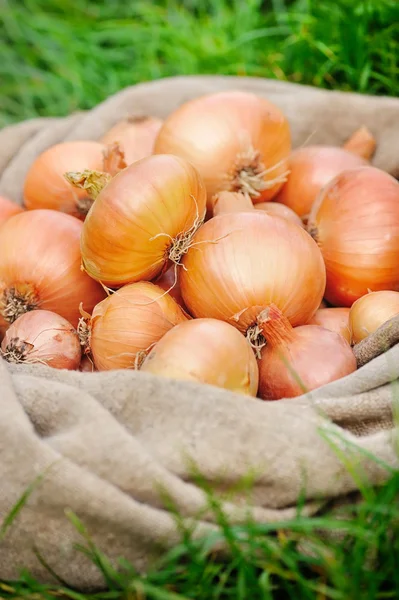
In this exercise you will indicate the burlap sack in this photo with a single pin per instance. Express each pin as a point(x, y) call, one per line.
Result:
point(112, 444)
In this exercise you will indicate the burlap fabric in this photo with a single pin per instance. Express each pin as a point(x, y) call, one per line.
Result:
point(113, 444)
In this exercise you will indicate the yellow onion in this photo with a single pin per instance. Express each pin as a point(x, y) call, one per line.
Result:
point(229, 202)
point(135, 136)
point(125, 326)
point(370, 312)
point(143, 221)
point(362, 143)
point(298, 360)
point(334, 319)
point(40, 267)
point(240, 263)
point(355, 222)
point(238, 141)
point(8, 209)
point(169, 282)
point(42, 337)
point(205, 351)
point(275, 209)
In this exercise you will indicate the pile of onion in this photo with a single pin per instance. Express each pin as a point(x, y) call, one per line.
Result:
point(334, 319)
point(42, 337)
point(241, 263)
point(238, 141)
point(40, 267)
point(205, 351)
point(135, 136)
point(370, 312)
point(8, 209)
point(143, 221)
point(355, 222)
point(298, 360)
point(125, 326)
point(46, 185)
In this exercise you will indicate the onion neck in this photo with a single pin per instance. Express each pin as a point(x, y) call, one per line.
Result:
point(114, 159)
point(275, 327)
point(251, 177)
point(90, 181)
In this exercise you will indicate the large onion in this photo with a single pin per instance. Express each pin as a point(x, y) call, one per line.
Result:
point(334, 319)
point(143, 219)
point(370, 312)
point(135, 136)
point(125, 326)
point(238, 141)
point(355, 222)
point(240, 263)
point(299, 360)
point(206, 351)
point(8, 209)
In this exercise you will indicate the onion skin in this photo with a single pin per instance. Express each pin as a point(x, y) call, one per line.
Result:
point(362, 143)
point(296, 361)
point(275, 209)
point(135, 136)
point(333, 319)
point(169, 282)
point(42, 337)
point(206, 351)
point(355, 222)
point(8, 209)
point(218, 133)
point(129, 232)
point(370, 312)
point(45, 185)
point(311, 168)
point(129, 322)
point(247, 261)
point(230, 202)
point(40, 262)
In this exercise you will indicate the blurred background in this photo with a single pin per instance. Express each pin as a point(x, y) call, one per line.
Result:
point(58, 56)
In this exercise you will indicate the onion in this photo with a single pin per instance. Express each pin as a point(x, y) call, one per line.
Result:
point(275, 209)
point(299, 360)
point(241, 263)
point(311, 169)
point(334, 319)
point(370, 312)
point(355, 221)
point(135, 136)
point(8, 209)
point(205, 351)
point(40, 267)
point(42, 337)
point(144, 218)
point(87, 365)
point(238, 141)
point(45, 184)
point(229, 202)
point(169, 282)
point(125, 326)
point(362, 143)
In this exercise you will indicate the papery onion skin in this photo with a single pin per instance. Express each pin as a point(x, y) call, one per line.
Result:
point(333, 319)
point(298, 360)
point(128, 322)
point(229, 202)
point(40, 263)
point(224, 133)
point(135, 135)
point(311, 168)
point(370, 312)
point(242, 262)
point(169, 282)
point(206, 351)
point(275, 209)
point(130, 230)
point(355, 222)
point(8, 209)
point(42, 337)
point(45, 185)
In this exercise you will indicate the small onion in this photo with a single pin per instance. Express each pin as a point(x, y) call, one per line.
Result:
point(205, 351)
point(40, 267)
point(125, 326)
point(240, 263)
point(355, 222)
point(42, 337)
point(46, 185)
point(135, 136)
point(370, 312)
point(334, 319)
point(229, 202)
point(311, 168)
point(144, 218)
point(238, 141)
point(275, 209)
point(296, 361)
point(8, 209)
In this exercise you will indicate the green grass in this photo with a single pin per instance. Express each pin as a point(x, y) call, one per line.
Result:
point(58, 56)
